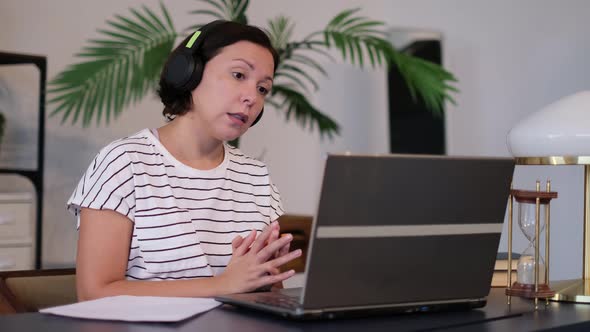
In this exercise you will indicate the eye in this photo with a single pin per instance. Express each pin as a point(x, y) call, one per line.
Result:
point(262, 90)
point(237, 75)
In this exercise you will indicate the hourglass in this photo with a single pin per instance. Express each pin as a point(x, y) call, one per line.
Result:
point(532, 268)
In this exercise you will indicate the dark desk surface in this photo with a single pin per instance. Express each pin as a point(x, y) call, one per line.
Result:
point(496, 316)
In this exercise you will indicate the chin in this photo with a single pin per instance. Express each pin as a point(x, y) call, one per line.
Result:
point(229, 139)
point(228, 133)
point(229, 136)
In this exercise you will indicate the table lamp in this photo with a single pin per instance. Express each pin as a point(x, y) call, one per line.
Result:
point(559, 135)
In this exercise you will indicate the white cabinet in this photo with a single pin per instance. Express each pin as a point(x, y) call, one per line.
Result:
point(17, 231)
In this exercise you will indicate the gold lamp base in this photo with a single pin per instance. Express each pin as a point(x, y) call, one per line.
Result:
point(574, 290)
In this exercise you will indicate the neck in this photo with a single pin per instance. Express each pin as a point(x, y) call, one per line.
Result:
point(190, 145)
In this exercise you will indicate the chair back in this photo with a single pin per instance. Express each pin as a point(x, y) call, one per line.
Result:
point(31, 290)
point(300, 227)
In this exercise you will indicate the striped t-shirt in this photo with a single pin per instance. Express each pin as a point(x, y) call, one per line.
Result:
point(184, 219)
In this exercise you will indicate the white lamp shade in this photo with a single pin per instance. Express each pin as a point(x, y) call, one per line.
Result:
point(560, 129)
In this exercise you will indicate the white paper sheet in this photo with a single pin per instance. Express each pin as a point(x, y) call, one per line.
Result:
point(136, 308)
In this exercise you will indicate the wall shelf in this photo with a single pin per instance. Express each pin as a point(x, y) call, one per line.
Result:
point(34, 175)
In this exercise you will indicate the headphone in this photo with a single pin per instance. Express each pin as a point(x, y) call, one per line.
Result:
point(184, 69)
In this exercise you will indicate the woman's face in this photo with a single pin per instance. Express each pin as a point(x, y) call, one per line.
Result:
point(232, 90)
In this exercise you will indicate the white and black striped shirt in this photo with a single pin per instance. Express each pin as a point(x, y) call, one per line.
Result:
point(184, 219)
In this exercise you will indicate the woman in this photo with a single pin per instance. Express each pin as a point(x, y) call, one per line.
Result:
point(176, 203)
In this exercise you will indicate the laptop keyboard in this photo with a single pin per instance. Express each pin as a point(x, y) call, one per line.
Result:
point(280, 300)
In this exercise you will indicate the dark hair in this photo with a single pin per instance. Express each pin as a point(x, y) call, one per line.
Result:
point(219, 34)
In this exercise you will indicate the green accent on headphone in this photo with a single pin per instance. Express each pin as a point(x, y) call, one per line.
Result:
point(193, 38)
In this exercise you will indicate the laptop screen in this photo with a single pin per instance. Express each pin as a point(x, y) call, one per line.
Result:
point(400, 228)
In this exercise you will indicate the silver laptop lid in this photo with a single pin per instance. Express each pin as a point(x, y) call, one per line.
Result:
point(406, 229)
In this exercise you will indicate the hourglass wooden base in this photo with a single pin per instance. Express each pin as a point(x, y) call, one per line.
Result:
point(528, 291)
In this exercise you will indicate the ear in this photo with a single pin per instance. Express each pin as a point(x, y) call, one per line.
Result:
point(196, 75)
point(178, 69)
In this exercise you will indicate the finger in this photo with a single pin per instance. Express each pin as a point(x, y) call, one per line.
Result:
point(276, 225)
point(273, 236)
point(277, 262)
point(261, 239)
point(273, 278)
point(272, 248)
point(284, 250)
point(235, 243)
point(273, 226)
point(243, 247)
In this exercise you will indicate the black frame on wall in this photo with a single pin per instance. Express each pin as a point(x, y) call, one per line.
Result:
point(413, 128)
point(35, 175)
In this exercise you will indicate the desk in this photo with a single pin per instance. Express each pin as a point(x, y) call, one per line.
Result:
point(496, 316)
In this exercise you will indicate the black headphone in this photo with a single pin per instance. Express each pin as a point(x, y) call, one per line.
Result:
point(184, 69)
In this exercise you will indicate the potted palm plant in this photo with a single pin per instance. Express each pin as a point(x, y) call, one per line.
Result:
point(123, 65)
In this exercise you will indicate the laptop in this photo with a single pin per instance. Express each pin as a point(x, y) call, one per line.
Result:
point(398, 233)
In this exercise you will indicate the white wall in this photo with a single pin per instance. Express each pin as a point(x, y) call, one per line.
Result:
point(511, 58)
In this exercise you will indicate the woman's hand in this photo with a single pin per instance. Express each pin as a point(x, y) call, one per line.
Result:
point(254, 261)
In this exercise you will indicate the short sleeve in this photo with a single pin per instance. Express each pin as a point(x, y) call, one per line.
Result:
point(276, 205)
point(107, 184)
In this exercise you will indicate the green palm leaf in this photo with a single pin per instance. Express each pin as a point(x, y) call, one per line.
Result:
point(306, 61)
point(122, 67)
point(426, 79)
point(280, 31)
point(356, 36)
point(293, 70)
point(295, 104)
point(229, 10)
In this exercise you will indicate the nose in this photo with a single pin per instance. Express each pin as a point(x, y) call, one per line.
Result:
point(249, 94)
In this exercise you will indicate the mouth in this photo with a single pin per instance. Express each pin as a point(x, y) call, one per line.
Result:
point(239, 116)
